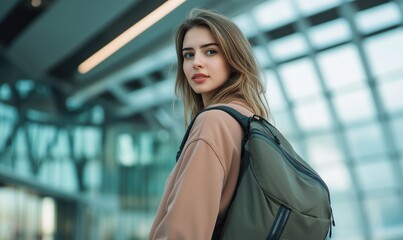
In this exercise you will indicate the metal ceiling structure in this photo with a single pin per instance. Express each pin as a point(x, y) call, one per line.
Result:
point(333, 70)
point(46, 43)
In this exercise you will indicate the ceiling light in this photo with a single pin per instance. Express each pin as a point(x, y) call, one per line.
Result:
point(36, 3)
point(128, 35)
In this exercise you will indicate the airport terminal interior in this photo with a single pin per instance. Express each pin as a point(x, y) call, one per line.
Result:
point(90, 124)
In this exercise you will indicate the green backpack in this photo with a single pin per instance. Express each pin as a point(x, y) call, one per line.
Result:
point(278, 195)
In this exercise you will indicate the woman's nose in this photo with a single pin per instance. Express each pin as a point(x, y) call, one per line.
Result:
point(197, 63)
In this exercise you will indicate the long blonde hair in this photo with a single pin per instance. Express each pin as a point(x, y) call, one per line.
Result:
point(244, 83)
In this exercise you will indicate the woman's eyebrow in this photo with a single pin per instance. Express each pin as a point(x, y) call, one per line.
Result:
point(201, 46)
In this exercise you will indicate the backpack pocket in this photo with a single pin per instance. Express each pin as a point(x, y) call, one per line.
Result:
point(279, 223)
point(305, 227)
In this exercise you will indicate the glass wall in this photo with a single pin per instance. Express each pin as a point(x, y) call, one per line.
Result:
point(334, 76)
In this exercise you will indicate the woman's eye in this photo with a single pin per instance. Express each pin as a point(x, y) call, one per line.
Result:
point(188, 55)
point(211, 52)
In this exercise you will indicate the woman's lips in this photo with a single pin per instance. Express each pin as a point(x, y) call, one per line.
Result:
point(199, 77)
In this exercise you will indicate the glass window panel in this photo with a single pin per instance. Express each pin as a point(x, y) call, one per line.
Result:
point(273, 14)
point(397, 129)
point(246, 23)
point(313, 116)
point(288, 47)
point(5, 92)
point(355, 105)
point(385, 216)
point(20, 144)
point(92, 135)
point(348, 226)
point(93, 174)
point(273, 92)
point(377, 18)
point(375, 175)
point(261, 55)
point(7, 121)
point(24, 86)
point(127, 151)
point(336, 176)
point(282, 121)
point(324, 149)
point(98, 114)
point(22, 166)
point(146, 148)
point(48, 217)
point(401, 160)
point(341, 66)
point(61, 148)
point(329, 33)
point(309, 7)
point(7, 112)
point(60, 174)
point(385, 51)
point(44, 139)
point(365, 140)
point(300, 79)
point(391, 93)
point(79, 142)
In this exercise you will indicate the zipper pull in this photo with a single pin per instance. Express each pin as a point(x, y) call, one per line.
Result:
point(332, 217)
point(332, 222)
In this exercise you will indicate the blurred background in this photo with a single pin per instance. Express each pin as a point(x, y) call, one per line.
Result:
point(90, 125)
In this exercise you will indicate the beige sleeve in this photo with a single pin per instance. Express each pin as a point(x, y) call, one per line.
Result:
point(193, 204)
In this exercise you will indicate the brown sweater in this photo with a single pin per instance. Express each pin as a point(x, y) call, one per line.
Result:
point(200, 187)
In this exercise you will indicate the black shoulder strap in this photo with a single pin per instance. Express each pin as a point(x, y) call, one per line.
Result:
point(239, 117)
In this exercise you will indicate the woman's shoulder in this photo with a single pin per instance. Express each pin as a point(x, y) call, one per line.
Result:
point(237, 105)
point(213, 122)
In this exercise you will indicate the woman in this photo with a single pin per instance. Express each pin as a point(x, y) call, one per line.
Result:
point(215, 67)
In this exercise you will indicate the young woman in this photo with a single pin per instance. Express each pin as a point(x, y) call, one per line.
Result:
point(215, 67)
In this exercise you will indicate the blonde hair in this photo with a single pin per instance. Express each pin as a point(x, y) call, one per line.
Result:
point(244, 83)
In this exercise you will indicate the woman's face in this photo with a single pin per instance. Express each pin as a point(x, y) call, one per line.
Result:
point(204, 64)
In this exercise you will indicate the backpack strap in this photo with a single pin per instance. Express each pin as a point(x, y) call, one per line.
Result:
point(243, 120)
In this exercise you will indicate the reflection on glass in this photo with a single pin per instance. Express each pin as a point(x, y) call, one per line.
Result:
point(128, 153)
point(313, 115)
point(385, 216)
point(355, 106)
point(60, 174)
point(350, 223)
point(385, 51)
point(397, 130)
point(323, 149)
point(261, 55)
point(336, 177)
point(300, 79)
point(273, 14)
point(391, 94)
point(329, 33)
point(282, 120)
point(245, 23)
point(273, 93)
point(376, 175)
point(5, 92)
point(48, 218)
point(366, 140)
point(24, 215)
point(341, 67)
point(377, 18)
point(288, 47)
point(309, 7)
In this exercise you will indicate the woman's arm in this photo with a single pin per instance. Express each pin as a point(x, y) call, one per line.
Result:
point(193, 204)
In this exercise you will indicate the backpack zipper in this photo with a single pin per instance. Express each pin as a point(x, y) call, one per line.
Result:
point(279, 223)
point(298, 166)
